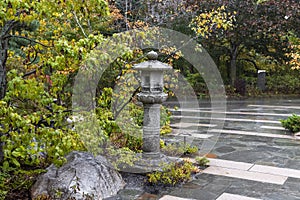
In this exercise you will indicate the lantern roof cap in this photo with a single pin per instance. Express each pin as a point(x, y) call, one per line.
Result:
point(152, 64)
point(152, 55)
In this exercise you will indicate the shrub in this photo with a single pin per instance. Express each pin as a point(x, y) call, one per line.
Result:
point(173, 173)
point(202, 161)
point(189, 149)
point(284, 84)
point(33, 128)
point(165, 120)
point(34, 134)
point(292, 123)
point(178, 149)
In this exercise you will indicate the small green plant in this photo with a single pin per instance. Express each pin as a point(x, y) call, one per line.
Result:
point(292, 123)
point(43, 197)
point(189, 149)
point(162, 143)
point(165, 121)
point(171, 149)
point(121, 157)
point(173, 173)
point(202, 161)
point(178, 149)
point(165, 129)
point(76, 187)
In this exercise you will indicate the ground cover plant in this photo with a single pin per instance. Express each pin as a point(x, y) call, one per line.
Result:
point(292, 123)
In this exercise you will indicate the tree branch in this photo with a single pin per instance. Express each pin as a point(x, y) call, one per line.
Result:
point(7, 28)
point(119, 111)
point(33, 71)
point(35, 57)
point(77, 21)
point(251, 61)
point(26, 38)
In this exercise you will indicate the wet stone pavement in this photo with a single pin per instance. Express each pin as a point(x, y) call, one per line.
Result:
point(253, 158)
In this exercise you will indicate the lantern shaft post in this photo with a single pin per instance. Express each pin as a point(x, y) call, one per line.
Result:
point(152, 96)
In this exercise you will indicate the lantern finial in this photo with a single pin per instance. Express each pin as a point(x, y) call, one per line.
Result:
point(152, 55)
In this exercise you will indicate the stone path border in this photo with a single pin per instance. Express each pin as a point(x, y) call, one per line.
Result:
point(228, 119)
point(273, 127)
point(271, 135)
point(249, 171)
point(169, 197)
point(231, 113)
point(248, 175)
point(270, 106)
point(224, 196)
point(227, 196)
point(186, 125)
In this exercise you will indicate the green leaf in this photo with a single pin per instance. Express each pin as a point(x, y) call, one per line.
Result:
point(5, 165)
point(17, 154)
point(15, 162)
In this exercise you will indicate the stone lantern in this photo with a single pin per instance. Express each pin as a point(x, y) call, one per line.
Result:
point(152, 96)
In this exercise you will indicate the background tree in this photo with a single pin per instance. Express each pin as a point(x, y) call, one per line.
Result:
point(166, 13)
point(257, 38)
point(294, 54)
point(260, 26)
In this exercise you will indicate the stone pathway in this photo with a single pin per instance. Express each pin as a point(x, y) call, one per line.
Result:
point(256, 159)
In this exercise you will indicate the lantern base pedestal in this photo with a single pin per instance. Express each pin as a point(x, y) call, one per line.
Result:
point(149, 162)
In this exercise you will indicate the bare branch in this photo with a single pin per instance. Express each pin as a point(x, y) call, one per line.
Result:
point(78, 23)
point(35, 56)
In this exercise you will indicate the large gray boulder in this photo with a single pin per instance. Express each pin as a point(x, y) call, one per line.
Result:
point(82, 177)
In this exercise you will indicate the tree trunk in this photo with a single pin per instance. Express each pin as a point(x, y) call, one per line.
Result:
point(233, 58)
point(3, 58)
point(4, 42)
point(4, 45)
point(2, 80)
point(3, 54)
